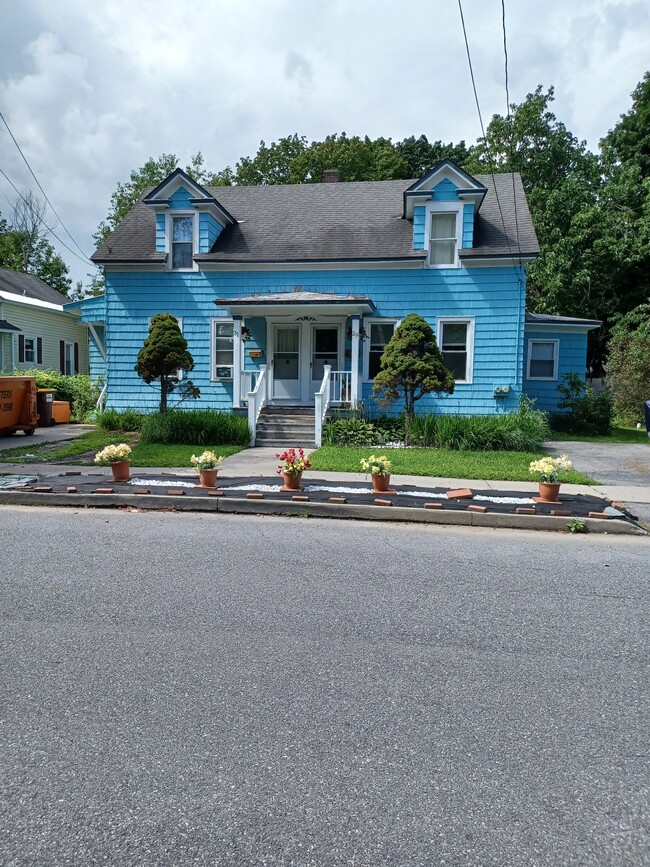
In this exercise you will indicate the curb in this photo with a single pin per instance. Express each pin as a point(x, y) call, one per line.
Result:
point(156, 502)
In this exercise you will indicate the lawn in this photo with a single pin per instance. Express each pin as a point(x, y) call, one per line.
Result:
point(618, 435)
point(508, 466)
point(82, 450)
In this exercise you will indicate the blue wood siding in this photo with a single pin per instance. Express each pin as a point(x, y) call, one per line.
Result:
point(418, 227)
point(445, 191)
point(161, 238)
point(97, 363)
point(572, 358)
point(180, 199)
point(468, 226)
point(492, 295)
point(209, 231)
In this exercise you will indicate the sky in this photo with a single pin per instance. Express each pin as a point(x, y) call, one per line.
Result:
point(92, 89)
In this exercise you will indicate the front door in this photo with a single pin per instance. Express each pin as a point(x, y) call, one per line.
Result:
point(286, 363)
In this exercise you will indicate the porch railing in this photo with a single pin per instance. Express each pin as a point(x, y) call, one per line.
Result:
point(321, 404)
point(257, 399)
point(248, 379)
point(340, 387)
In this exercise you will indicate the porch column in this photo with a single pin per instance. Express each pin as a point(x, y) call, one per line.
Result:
point(354, 363)
point(237, 359)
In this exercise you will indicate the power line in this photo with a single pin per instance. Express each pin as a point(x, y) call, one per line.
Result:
point(38, 183)
point(487, 146)
point(83, 259)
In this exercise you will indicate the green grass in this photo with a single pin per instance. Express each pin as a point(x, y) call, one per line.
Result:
point(506, 466)
point(157, 455)
point(618, 435)
point(44, 452)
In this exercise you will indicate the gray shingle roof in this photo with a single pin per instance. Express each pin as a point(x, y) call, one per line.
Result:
point(549, 319)
point(29, 286)
point(7, 326)
point(314, 222)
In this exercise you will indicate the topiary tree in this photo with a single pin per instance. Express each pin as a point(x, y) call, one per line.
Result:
point(163, 354)
point(411, 366)
point(628, 367)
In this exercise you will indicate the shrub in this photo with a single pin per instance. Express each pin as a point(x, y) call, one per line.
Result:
point(519, 431)
point(359, 431)
point(195, 427)
point(80, 390)
point(628, 367)
point(126, 419)
point(591, 412)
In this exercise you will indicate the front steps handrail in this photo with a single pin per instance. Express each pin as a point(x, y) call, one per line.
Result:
point(257, 399)
point(321, 404)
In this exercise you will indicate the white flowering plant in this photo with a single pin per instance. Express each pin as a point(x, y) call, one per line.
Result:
point(550, 469)
point(206, 461)
point(376, 465)
point(113, 454)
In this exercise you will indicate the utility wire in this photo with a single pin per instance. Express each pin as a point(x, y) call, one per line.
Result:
point(38, 183)
point(487, 146)
point(83, 259)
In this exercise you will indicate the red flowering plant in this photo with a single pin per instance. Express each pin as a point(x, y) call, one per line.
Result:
point(293, 462)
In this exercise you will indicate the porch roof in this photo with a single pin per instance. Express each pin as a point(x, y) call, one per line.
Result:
point(7, 327)
point(289, 302)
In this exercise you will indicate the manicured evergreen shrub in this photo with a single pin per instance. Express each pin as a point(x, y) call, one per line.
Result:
point(195, 427)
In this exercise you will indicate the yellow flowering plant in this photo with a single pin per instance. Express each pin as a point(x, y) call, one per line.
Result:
point(376, 466)
point(206, 461)
point(550, 469)
point(113, 454)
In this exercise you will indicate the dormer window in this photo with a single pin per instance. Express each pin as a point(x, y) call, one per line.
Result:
point(182, 242)
point(442, 239)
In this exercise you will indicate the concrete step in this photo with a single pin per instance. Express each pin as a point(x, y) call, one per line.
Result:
point(287, 429)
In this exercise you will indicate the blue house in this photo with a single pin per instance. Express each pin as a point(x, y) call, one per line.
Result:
point(287, 295)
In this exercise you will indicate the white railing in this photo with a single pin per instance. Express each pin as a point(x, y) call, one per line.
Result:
point(99, 406)
point(341, 387)
point(321, 404)
point(256, 400)
point(248, 379)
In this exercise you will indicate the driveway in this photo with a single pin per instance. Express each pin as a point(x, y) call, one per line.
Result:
point(42, 435)
point(609, 463)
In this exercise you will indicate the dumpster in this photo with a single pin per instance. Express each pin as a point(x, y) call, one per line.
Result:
point(17, 405)
point(61, 411)
point(44, 400)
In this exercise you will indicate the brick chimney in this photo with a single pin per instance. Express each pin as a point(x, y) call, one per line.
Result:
point(331, 176)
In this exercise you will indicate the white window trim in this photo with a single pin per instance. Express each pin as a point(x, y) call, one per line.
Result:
point(178, 212)
point(69, 344)
point(179, 319)
point(35, 341)
point(556, 358)
point(460, 320)
point(374, 320)
point(443, 208)
point(221, 320)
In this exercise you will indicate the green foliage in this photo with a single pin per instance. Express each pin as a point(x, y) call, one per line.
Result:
point(411, 366)
point(124, 420)
point(576, 526)
point(80, 390)
point(421, 155)
point(523, 430)
point(628, 368)
point(589, 411)
point(204, 427)
point(360, 431)
point(25, 249)
point(163, 354)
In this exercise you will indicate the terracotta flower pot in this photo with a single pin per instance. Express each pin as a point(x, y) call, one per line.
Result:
point(548, 491)
point(380, 482)
point(208, 478)
point(121, 471)
point(292, 481)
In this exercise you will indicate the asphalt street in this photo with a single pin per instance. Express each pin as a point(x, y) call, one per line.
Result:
point(188, 689)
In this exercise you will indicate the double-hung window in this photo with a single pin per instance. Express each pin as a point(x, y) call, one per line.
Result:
point(30, 350)
point(442, 238)
point(379, 334)
point(456, 342)
point(542, 359)
point(182, 242)
point(223, 349)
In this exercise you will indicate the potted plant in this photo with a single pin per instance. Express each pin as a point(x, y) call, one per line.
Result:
point(379, 469)
point(118, 456)
point(549, 470)
point(207, 466)
point(294, 463)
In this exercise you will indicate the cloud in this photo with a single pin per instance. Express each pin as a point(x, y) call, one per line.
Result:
point(92, 90)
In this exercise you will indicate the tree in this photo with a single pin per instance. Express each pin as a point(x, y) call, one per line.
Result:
point(411, 366)
point(628, 367)
point(421, 155)
point(163, 354)
point(272, 164)
point(357, 159)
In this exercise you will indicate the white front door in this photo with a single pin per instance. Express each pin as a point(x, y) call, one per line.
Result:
point(286, 362)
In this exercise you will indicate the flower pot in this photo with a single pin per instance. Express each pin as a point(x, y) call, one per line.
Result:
point(208, 478)
point(291, 481)
point(380, 482)
point(548, 491)
point(121, 471)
